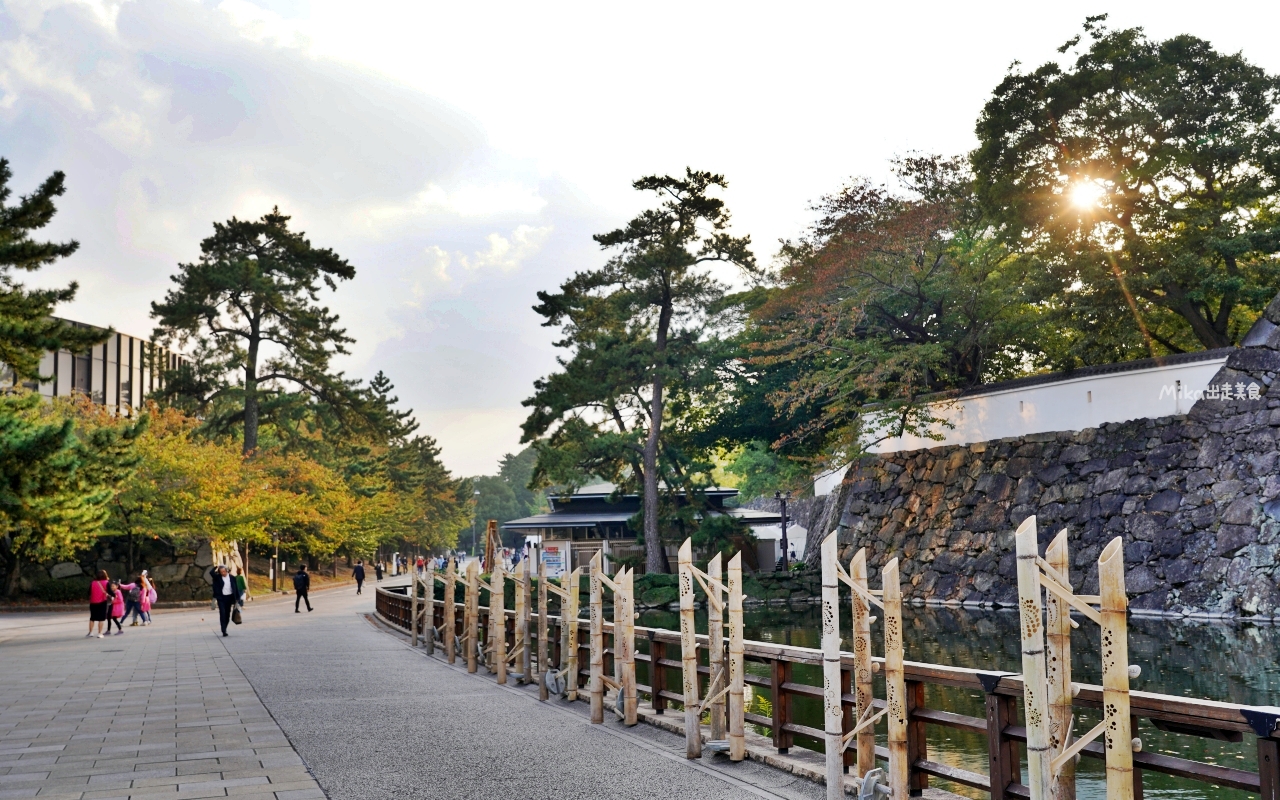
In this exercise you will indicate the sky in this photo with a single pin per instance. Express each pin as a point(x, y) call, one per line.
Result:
point(461, 155)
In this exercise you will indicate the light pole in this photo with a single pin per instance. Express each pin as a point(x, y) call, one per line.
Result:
point(782, 500)
point(275, 561)
point(475, 512)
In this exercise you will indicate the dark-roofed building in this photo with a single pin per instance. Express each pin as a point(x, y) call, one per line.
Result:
point(594, 520)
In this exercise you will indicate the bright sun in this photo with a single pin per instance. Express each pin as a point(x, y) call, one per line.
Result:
point(1086, 194)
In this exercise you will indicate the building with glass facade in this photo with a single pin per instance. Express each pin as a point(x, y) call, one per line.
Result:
point(120, 372)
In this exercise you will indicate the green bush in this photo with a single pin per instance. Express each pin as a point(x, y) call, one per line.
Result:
point(63, 590)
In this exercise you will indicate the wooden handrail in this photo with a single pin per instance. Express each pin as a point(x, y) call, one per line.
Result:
point(1208, 717)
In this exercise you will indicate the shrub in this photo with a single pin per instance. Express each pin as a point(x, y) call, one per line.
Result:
point(62, 590)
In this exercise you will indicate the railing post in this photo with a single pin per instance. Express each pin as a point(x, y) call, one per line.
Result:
point(1034, 692)
point(657, 674)
point(1002, 753)
point(1058, 668)
point(449, 611)
point(413, 610)
point(715, 648)
point(595, 689)
point(781, 674)
point(689, 655)
point(1115, 672)
point(524, 629)
point(543, 663)
point(862, 664)
point(471, 614)
point(1269, 768)
point(917, 744)
point(737, 665)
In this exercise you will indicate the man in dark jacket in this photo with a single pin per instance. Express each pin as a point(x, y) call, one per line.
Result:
point(301, 584)
point(358, 574)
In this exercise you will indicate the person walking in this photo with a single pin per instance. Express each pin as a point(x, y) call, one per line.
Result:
point(301, 585)
point(242, 588)
point(99, 603)
point(224, 594)
point(148, 597)
point(133, 601)
point(358, 574)
point(117, 606)
point(377, 571)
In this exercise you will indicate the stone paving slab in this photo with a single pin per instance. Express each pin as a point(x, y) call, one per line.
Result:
point(161, 713)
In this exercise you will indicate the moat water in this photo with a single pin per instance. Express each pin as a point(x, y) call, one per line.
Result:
point(1231, 662)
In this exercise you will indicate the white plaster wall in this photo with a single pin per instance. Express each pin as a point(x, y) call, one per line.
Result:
point(1070, 404)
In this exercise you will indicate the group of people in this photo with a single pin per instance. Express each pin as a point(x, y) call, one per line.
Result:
point(111, 602)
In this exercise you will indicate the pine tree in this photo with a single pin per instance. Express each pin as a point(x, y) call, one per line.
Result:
point(251, 304)
point(27, 326)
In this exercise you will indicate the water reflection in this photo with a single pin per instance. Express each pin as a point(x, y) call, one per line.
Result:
point(1231, 662)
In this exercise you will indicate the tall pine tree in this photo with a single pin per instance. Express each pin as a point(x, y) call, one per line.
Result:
point(251, 305)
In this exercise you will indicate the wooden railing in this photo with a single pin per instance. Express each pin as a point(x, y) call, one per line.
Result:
point(1225, 722)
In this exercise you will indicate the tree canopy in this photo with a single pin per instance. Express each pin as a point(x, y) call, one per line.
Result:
point(644, 356)
point(1142, 179)
point(251, 308)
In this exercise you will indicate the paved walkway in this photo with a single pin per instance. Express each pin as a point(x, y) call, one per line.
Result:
point(174, 711)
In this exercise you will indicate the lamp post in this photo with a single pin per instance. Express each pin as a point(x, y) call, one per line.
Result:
point(474, 513)
point(275, 562)
point(782, 500)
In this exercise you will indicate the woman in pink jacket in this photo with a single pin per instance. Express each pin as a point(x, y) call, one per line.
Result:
point(99, 603)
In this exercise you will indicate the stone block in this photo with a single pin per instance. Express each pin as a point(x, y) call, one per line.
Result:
point(1254, 360)
point(1242, 511)
point(66, 569)
point(1166, 501)
point(1231, 538)
point(1181, 571)
point(1140, 580)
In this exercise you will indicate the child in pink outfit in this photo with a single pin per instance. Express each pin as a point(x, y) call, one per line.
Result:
point(148, 597)
point(117, 606)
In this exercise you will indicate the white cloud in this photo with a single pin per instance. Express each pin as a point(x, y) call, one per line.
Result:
point(24, 65)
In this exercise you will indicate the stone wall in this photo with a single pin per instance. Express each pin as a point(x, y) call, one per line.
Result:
point(1195, 498)
point(178, 576)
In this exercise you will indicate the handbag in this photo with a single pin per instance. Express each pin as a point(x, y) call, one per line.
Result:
point(235, 615)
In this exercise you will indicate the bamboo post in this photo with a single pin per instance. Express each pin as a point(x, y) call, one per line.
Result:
point(450, 612)
point(894, 681)
point(520, 626)
point(1115, 672)
point(1058, 670)
point(429, 613)
point(862, 669)
point(1035, 693)
point(569, 619)
point(618, 611)
point(596, 687)
point(542, 627)
point(498, 618)
point(413, 609)
point(689, 655)
point(737, 677)
point(523, 624)
point(832, 711)
point(627, 650)
point(471, 614)
point(715, 647)
point(490, 533)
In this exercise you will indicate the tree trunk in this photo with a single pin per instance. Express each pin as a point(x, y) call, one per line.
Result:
point(1178, 302)
point(12, 567)
point(654, 557)
point(251, 392)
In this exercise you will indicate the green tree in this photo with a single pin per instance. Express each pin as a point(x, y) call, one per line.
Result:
point(1143, 178)
point(252, 304)
point(57, 480)
point(28, 328)
point(638, 329)
point(891, 298)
